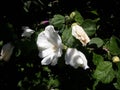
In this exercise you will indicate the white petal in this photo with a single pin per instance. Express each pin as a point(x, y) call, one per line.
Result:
point(42, 42)
point(27, 32)
point(85, 66)
point(75, 58)
point(52, 35)
point(59, 52)
point(49, 59)
point(68, 55)
point(46, 52)
point(54, 60)
point(46, 60)
point(71, 56)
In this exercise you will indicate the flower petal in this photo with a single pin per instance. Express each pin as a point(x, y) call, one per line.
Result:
point(72, 58)
point(27, 32)
point(85, 66)
point(75, 58)
point(46, 60)
point(52, 35)
point(59, 52)
point(54, 60)
point(46, 52)
point(50, 59)
point(42, 42)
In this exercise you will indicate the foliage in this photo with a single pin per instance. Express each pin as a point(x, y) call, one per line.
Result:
point(24, 70)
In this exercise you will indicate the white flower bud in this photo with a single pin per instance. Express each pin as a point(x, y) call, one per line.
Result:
point(6, 51)
point(27, 32)
point(79, 33)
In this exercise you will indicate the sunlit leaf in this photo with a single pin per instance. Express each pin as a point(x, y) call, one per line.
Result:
point(117, 83)
point(104, 72)
point(113, 45)
point(67, 37)
point(97, 59)
point(78, 17)
point(97, 41)
point(1, 43)
point(58, 21)
point(89, 26)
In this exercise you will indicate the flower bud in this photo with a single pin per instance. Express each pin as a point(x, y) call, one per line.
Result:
point(6, 51)
point(72, 15)
point(116, 59)
point(79, 33)
point(27, 32)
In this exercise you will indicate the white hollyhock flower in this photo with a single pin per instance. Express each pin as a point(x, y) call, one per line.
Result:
point(75, 58)
point(50, 46)
point(79, 33)
point(6, 51)
point(27, 32)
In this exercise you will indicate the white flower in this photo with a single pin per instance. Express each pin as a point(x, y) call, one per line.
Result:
point(75, 58)
point(50, 46)
point(79, 33)
point(27, 32)
point(6, 51)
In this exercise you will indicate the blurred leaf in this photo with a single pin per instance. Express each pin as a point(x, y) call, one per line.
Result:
point(95, 84)
point(97, 59)
point(29, 64)
point(45, 68)
point(97, 41)
point(67, 37)
point(89, 26)
point(113, 45)
point(58, 21)
point(38, 74)
point(104, 72)
point(117, 85)
point(20, 83)
point(94, 12)
point(1, 43)
point(53, 83)
point(17, 54)
point(27, 5)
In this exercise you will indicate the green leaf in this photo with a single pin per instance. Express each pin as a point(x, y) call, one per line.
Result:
point(104, 72)
point(97, 41)
point(46, 68)
point(58, 21)
point(97, 59)
point(94, 12)
point(67, 37)
point(113, 45)
point(89, 26)
point(53, 83)
point(117, 83)
point(1, 43)
point(78, 17)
